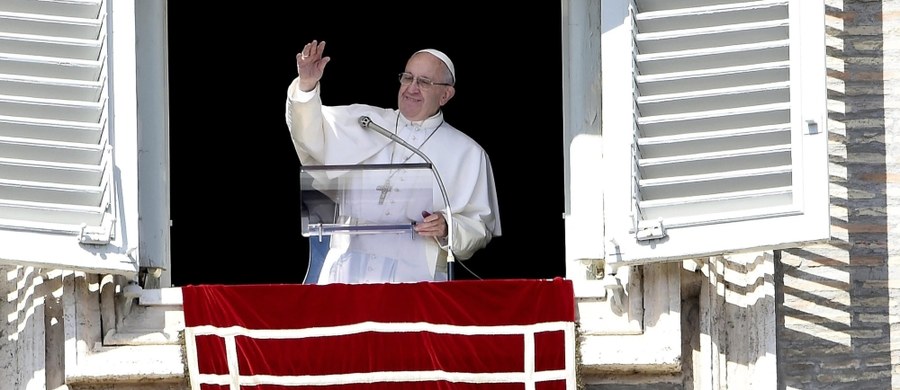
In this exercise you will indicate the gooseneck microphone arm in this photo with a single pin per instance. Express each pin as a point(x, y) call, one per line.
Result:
point(367, 123)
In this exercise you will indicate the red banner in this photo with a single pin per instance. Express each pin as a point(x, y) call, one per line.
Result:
point(479, 335)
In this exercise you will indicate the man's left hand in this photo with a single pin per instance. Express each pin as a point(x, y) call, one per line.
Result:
point(434, 225)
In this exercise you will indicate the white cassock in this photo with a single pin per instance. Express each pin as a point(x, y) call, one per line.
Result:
point(332, 135)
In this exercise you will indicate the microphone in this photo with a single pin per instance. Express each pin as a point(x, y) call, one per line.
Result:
point(367, 123)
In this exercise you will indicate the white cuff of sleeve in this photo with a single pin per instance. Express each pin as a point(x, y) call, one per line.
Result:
point(298, 95)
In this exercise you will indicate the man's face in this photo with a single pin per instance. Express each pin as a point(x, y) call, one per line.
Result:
point(416, 102)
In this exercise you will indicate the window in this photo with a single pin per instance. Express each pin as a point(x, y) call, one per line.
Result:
point(692, 129)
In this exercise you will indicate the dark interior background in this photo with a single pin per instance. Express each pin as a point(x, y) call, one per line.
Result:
point(234, 172)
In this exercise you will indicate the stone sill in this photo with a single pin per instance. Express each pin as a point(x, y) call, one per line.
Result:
point(130, 364)
point(145, 349)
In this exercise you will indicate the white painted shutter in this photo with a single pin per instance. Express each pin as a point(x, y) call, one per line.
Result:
point(59, 184)
point(714, 127)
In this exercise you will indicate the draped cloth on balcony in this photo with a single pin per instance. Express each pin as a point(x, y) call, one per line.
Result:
point(479, 335)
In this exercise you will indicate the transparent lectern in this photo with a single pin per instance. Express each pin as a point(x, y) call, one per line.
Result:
point(355, 207)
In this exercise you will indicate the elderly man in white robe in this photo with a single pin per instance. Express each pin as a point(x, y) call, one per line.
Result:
point(332, 135)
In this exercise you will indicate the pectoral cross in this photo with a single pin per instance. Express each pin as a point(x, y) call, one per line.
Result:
point(384, 188)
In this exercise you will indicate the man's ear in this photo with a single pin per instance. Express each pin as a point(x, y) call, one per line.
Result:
point(448, 94)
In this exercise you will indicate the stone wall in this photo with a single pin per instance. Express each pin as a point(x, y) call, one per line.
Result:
point(838, 301)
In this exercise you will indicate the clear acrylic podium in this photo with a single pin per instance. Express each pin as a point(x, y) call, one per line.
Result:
point(364, 199)
point(365, 216)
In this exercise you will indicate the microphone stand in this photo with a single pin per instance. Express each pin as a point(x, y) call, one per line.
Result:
point(367, 123)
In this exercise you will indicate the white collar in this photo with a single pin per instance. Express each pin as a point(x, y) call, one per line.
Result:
point(428, 123)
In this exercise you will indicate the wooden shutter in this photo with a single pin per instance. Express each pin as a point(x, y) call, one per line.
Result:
point(58, 181)
point(714, 127)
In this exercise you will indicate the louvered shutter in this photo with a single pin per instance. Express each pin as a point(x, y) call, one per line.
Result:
point(713, 126)
point(59, 183)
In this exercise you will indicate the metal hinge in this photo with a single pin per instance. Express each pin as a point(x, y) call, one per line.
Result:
point(99, 235)
point(650, 230)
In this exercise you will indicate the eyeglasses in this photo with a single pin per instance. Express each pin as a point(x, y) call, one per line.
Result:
point(422, 82)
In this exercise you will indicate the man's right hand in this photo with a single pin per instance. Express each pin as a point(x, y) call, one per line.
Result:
point(311, 65)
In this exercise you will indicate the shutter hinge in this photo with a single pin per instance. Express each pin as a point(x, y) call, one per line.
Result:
point(99, 235)
point(650, 230)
